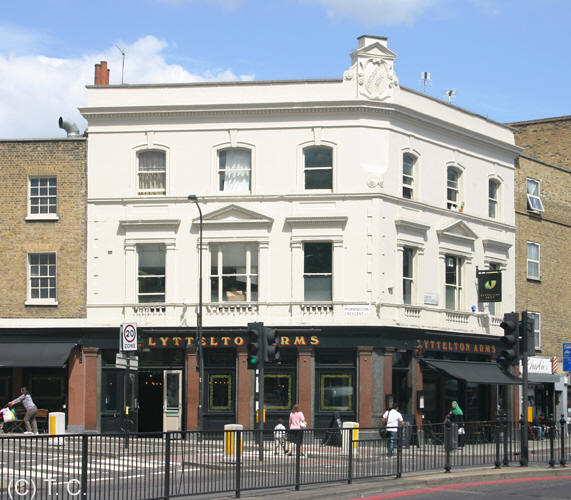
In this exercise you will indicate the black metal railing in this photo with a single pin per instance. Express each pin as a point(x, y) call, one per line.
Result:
point(174, 464)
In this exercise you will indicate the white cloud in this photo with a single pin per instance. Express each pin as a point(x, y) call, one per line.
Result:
point(36, 90)
point(374, 12)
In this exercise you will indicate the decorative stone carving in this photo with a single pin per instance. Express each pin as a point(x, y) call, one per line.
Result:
point(376, 78)
point(372, 69)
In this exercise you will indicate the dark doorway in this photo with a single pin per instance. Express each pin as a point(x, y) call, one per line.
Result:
point(151, 401)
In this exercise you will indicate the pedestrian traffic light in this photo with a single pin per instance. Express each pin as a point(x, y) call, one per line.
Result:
point(527, 333)
point(271, 345)
point(254, 345)
point(509, 354)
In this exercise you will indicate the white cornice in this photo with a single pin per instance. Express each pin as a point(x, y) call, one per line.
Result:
point(317, 220)
point(301, 107)
point(408, 224)
point(150, 222)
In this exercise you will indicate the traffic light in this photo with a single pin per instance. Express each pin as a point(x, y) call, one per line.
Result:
point(255, 345)
point(527, 333)
point(509, 354)
point(271, 345)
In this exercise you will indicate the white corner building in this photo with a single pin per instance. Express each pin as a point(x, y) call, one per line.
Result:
point(350, 214)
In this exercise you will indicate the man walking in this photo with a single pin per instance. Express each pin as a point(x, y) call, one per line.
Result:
point(392, 419)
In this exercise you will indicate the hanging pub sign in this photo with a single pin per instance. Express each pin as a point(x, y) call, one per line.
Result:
point(489, 285)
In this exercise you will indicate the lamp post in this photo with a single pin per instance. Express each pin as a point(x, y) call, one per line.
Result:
point(193, 198)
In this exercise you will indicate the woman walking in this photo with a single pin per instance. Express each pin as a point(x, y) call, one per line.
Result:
point(456, 416)
point(31, 410)
point(296, 424)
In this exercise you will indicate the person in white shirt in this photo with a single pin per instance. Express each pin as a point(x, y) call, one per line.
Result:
point(392, 419)
point(280, 437)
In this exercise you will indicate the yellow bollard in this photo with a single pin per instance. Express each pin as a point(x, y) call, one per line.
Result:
point(350, 433)
point(231, 441)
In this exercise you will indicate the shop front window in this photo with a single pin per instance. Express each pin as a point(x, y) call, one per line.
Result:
point(112, 390)
point(220, 392)
point(5, 392)
point(336, 392)
point(278, 391)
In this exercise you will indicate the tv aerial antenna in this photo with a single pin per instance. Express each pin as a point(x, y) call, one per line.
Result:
point(426, 79)
point(123, 62)
point(451, 94)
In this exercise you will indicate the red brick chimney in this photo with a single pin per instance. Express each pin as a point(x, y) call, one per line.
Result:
point(101, 74)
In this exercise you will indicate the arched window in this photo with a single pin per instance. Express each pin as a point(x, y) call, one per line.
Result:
point(318, 167)
point(234, 170)
point(152, 172)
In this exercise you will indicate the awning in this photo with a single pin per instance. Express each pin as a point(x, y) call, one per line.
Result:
point(38, 354)
point(473, 371)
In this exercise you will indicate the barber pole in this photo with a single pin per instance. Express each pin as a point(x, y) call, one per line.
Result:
point(554, 364)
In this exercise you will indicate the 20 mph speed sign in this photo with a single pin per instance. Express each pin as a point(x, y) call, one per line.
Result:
point(128, 339)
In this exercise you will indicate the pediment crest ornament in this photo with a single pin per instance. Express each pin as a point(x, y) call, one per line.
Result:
point(376, 78)
point(237, 215)
point(459, 230)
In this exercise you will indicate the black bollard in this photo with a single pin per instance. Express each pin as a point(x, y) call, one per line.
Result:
point(563, 461)
point(551, 424)
point(523, 456)
point(448, 444)
point(506, 430)
point(497, 463)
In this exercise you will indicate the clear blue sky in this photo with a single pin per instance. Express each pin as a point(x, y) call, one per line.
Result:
point(506, 59)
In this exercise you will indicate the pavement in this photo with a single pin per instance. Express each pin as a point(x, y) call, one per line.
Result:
point(363, 488)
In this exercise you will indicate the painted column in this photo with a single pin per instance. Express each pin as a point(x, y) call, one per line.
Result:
point(243, 390)
point(192, 380)
point(83, 394)
point(304, 378)
point(387, 375)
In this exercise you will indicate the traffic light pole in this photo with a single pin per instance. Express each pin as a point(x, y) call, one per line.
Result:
point(523, 460)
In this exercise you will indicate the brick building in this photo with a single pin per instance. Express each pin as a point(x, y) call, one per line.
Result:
point(543, 237)
point(42, 241)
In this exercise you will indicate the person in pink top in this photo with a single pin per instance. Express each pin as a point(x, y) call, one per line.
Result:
point(296, 426)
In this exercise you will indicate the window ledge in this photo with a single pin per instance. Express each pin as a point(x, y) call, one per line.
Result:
point(531, 278)
point(42, 217)
point(41, 302)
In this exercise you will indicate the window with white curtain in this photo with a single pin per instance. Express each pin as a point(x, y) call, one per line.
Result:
point(151, 273)
point(152, 172)
point(234, 272)
point(533, 260)
point(453, 282)
point(318, 271)
point(234, 170)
